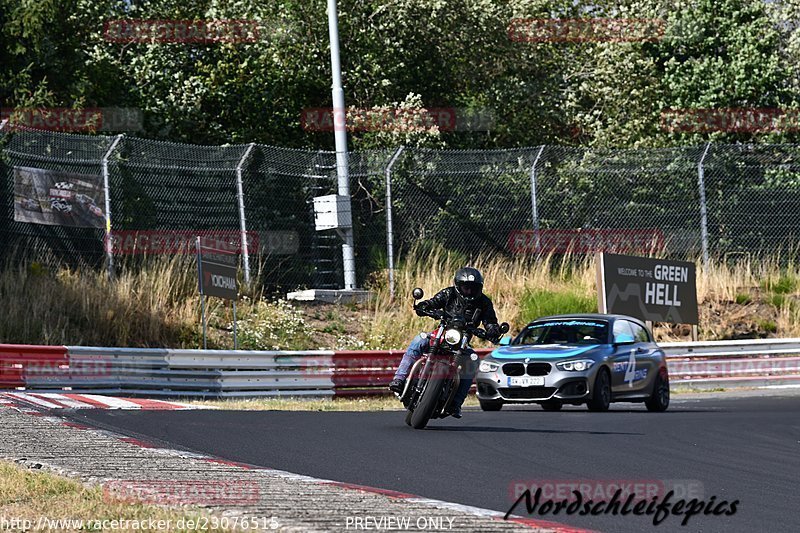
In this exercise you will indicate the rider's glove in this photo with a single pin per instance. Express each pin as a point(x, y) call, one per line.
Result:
point(492, 331)
point(419, 311)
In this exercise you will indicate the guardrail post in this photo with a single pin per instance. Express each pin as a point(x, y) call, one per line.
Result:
point(701, 184)
point(389, 221)
point(242, 221)
point(108, 245)
point(534, 203)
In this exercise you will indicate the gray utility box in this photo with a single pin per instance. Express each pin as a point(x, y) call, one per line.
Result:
point(332, 212)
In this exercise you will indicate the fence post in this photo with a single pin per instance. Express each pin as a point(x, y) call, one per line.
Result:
point(108, 245)
point(242, 222)
point(389, 221)
point(534, 202)
point(701, 184)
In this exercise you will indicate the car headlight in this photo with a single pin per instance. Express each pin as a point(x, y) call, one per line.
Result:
point(577, 366)
point(488, 366)
point(452, 336)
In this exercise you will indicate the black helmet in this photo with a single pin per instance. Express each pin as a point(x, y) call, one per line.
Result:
point(468, 282)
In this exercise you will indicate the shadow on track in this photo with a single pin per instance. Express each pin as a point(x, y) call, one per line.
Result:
point(486, 429)
point(671, 411)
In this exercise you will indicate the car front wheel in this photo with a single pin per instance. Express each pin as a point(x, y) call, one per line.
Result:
point(601, 392)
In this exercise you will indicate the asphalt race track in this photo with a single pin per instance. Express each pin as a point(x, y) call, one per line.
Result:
point(745, 449)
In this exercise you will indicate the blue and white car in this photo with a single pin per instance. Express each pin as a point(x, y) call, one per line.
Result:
point(591, 359)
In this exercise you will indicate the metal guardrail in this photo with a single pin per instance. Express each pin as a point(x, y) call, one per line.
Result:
point(731, 364)
point(220, 373)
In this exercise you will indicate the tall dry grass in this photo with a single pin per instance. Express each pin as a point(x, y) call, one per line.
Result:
point(155, 302)
point(750, 297)
point(393, 323)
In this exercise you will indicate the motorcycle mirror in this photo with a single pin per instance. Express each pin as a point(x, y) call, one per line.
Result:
point(417, 293)
point(504, 327)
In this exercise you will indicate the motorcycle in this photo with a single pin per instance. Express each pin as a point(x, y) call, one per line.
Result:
point(433, 380)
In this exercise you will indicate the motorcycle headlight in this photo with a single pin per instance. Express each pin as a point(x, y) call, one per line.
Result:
point(452, 336)
point(488, 366)
point(576, 366)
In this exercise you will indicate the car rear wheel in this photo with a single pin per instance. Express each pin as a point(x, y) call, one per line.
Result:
point(491, 405)
point(601, 392)
point(659, 399)
point(552, 405)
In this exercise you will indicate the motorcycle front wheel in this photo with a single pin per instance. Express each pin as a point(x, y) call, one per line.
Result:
point(427, 403)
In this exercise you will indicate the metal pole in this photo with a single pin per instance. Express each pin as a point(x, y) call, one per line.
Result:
point(534, 206)
point(242, 221)
point(108, 245)
point(200, 287)
point(340, 136)
point(235, 338)
point(389, 221)
point(701, 184)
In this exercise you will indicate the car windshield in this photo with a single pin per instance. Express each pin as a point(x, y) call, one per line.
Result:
point(565, 332)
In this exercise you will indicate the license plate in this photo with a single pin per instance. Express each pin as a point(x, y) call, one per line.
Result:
point(526, 381)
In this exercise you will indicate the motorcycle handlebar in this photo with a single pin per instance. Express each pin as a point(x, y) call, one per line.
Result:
point(472, 330)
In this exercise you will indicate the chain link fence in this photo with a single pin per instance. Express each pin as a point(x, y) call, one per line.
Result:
point(685, 202)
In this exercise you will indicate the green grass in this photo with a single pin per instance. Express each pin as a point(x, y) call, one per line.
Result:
point(767, 325)
point(374, 403)
point(784, 284)
point(777, 300)
point(31, 495)
point(743, 299)
point(536, 303)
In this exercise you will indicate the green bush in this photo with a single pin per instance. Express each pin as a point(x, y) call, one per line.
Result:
point(538, 303)
point(275, 326)
point(785, 284)
point(767, 325)
point(743, 299)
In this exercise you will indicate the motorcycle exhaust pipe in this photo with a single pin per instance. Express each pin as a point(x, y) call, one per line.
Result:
point(408, 379)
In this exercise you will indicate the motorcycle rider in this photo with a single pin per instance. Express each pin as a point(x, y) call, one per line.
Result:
point(462, 299)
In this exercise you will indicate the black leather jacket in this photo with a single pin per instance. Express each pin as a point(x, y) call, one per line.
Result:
point(454, 304)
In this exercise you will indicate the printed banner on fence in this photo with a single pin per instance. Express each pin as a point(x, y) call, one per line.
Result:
point(586, 241)
point(58, 198)
point(649, 289)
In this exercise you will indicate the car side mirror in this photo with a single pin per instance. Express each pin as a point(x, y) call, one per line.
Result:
point(417, 293)
point(505, 341)
point(623, 338)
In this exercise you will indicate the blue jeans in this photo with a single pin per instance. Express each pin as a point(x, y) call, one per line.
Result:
point(421, 345)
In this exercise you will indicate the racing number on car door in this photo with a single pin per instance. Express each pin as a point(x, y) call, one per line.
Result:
point(630, 371)
point(630, 359)
point(646, 362)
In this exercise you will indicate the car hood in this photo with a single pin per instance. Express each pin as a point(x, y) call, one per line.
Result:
point(545, 351)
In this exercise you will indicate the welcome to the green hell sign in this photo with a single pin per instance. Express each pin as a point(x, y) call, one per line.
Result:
point(658, 290)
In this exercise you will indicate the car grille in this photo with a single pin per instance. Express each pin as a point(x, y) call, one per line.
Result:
point(533, 369)
point(514, 369)
point(526, 393)
point(538, 369)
